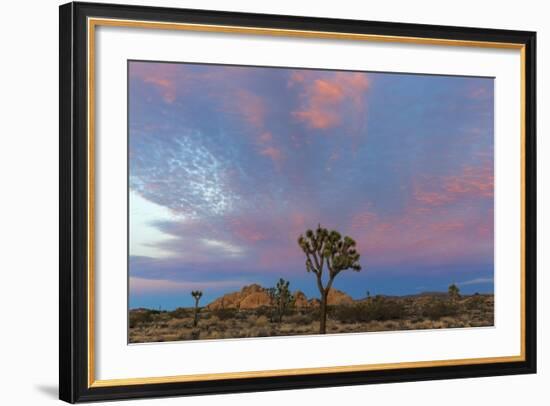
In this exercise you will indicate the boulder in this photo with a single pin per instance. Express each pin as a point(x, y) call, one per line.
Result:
point(249, 297)
point(337, 297)
point(300, 299)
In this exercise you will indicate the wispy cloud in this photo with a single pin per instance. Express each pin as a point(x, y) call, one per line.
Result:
point(476, 281)
point(143, 285)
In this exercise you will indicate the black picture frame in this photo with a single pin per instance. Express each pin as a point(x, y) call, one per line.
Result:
point(74, 384)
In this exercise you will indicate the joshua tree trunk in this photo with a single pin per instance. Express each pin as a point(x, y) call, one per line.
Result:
point(324, 291)
point(323, 310)
point(196, 318)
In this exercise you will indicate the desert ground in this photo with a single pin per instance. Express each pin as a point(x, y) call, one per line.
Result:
point(249, 313)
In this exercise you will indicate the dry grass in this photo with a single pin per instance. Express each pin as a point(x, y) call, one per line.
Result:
point(374, 314)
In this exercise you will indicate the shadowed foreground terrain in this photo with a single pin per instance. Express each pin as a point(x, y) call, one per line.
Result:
point(249, 314)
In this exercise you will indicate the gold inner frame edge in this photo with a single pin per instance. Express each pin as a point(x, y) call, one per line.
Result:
point(92, 23)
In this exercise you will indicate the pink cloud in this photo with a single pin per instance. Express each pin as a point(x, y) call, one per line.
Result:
point(266, 137)
point(253, 109)
point(274, 153)
point(323, 100)
point(246, 230)
point(163, 76)
point(251, 106)
point(434, 227)
point(363, 220)
point(167, 87)
point(448, 225)
point(317, 118)
point(296, 77)
point(429, 238)
point(471, 182)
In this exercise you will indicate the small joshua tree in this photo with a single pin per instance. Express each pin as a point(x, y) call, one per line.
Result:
point(323, 247)
point(454, 292)
point(272, 301)
point(197, 294)
point(282, 298)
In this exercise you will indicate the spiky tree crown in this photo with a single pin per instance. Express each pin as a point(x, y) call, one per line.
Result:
point(322, 246)
point(196, 294)
point(282, 292)
point(454, 290)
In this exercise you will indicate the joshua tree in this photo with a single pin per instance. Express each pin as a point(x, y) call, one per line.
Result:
point(323, 247)
point(454, 292)
point(197, 294)
point(281, 297)
point(272, 301)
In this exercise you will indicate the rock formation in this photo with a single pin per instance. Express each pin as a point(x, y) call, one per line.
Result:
point(254, 296)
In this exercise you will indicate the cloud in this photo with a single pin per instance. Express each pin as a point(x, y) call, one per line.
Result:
point(144, 236)
point(318, 118)
point(223, 248)
point(140, 286)
point(183, 174)
point(251, 107)
point(476, 181)
point(164, 77)
point(167, 87)
point(476, 281)
point(324, 99)
point(248, 231)
point(274, 153)
point(363, 219)
point(472, 182)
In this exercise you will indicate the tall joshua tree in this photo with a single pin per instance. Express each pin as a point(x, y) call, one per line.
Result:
point(197, 294)
point(328, 248)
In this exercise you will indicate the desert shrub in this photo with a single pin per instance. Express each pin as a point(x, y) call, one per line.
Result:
point(314, 313)
point(437, 308)
point(141, 317)
point(261, 321)
point(225, 313)
point(379, 308)
point(242, 314)
point(262, 333)
point(195, 334)
point(302, 318)
point(382, 309)
point(355, 313)
point(180, 313)
point(475, 302)
point(264, 311)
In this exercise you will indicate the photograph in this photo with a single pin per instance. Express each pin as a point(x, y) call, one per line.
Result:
point(268, 201)
point(254, 200)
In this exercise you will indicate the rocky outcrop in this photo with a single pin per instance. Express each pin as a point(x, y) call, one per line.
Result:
point(254, 296)
point(313, 302)
point(337, 297)
point(300, 299)
point(249, 297)
point(255, 300)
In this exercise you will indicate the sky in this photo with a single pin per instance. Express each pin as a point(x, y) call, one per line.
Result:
point(228, 165)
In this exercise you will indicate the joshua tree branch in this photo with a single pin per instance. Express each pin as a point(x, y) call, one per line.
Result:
point(317, 264)
point(320, 284)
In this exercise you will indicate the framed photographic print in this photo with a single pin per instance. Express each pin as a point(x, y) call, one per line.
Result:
point(256, 202)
